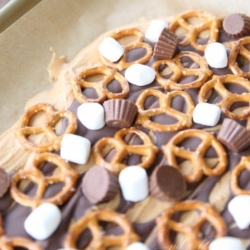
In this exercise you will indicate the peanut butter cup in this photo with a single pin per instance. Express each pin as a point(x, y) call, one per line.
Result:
point(120, 113)
point(99, 185)
point(236, 25)
point(233, 135)
point(4, 182)
point(167, 183)
point(167, 45)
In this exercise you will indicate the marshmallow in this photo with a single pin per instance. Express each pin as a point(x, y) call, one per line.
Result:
point(137, 246)
point(216, 55)
point(206, 114)
point(111, 49)
point(75, 148)
point(154, 30)
point(239, 208)
point(43, 221)
point(133, 181)
point(139, 74)
point(227, 243)
point(91, 115)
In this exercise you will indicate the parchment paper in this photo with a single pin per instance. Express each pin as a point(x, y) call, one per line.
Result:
point(68, 26)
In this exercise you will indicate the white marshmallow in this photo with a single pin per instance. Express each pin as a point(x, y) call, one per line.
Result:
point(239, 208)
point(133, 181)
point(43, 221)
point(154, 30)
point(137, 246)
point(75, 148)
point(227, 243)
point(139, 74)
point(216, 55)
point(91, 115)
point(206, 114)
point(111, 49)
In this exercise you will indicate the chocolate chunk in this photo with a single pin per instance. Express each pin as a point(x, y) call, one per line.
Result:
point(237, 25)
point(99, 185)
point(120, 113)
point(167, 183)
point(233, 135)
point(4, 182)
point(167, 45)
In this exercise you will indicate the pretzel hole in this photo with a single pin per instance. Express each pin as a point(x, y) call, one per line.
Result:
point(28, 187)
point(243, 63)
point(186, 167)
point(203, 36)
point(189, 63)
point(190, 143)
point(187, 79)
point(126, 40)
point(90, 93)
point(135, 54)
point(38, 118)
point(165, 71)
point(94, 78)
point(49, 169)
point(114, 87)
point(181, 33)
point(53, 189)
point(151, 102)
point(240, 107)
point(213, 96)
point(108, 153)
point(243, 179)
point(196, 20)
point(84, 239)
point(179, 103)
point(236, 88)
point(207, 232)
point(163, 119)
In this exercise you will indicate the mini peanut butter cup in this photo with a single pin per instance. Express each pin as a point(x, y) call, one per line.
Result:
point(4, 182)
point(167, 183)
point(167, 45)
point(120, 113)
point(99, 185)
point(236, 25)
point(233, 135)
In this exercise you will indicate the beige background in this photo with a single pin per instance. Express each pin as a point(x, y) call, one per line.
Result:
point(68, 26)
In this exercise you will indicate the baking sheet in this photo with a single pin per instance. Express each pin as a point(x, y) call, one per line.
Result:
point(67, 27)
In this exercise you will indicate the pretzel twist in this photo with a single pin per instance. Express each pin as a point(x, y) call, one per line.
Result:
point(171, 150)
point(235, 175)
point(138, 43)
point(202, 73)
point(166, 224)
point(99, 86)
point(184, 120)
point(147, 150)
point(47, 127)
point(228, 98)
point(238, 48)
point(7, 243)
point(33, 173)
point(193, 30)
point(100, 241)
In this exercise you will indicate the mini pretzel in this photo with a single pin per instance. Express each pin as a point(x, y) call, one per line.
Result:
point(100, 86)
point(7, 243)
point(166, 224)
point(165, 100)
point(100, 241)
point(238, 48)
point(228, 98)
point(179, 71)
point(147, 150)
point(171, 150)
point(235, 175)
point(122, 63)
point(48, 127)
point(194, 30)
point(33, 173)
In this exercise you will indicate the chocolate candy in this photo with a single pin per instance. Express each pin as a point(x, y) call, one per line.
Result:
point(4, 182)
point(167, 183)
point(237, 25)
point(233, 135)
point(166, 45)
point(120, 113)
point(99, 185)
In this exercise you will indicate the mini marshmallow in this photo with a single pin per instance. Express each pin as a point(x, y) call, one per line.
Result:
point(154, 30)
point(111, 49)
point(133, 181)
point(139, 74)
point(75, 148)
point(43, 221)
point(137, 246)
point(227, 243)
point(91, 115)
point(239, 208)
point(206, 114)
point(216, 55)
